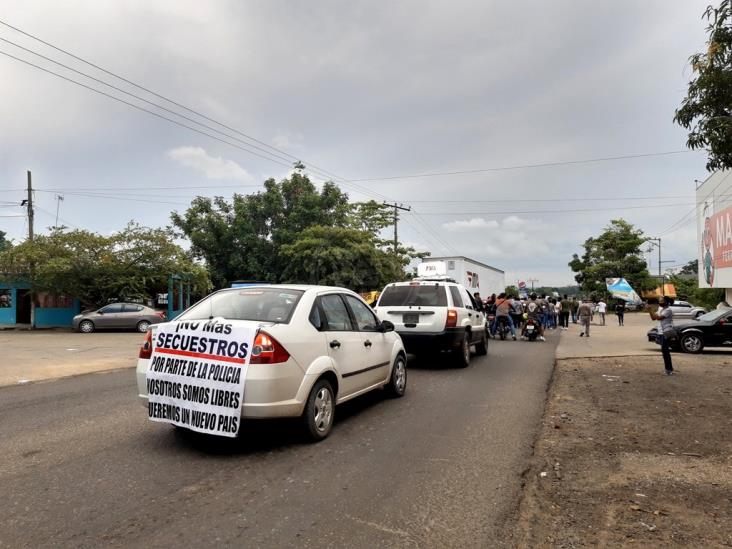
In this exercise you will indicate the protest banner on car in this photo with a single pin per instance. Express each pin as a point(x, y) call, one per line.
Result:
point(195, 378)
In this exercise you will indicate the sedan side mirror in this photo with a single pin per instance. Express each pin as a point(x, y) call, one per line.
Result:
point(100, 312)
point(386, 326)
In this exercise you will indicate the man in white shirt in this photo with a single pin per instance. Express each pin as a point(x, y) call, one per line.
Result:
point(602, 309)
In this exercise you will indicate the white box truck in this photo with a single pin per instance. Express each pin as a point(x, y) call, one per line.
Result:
point(474, 275)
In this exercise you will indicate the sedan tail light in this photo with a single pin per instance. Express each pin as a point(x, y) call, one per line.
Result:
point(451, 318)
point(161, 314)
point(146, 349)
point(267, 350)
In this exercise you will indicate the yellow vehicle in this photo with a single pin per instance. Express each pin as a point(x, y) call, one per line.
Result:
point(370, 297)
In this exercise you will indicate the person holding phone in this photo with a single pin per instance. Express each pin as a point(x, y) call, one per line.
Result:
point(664, 315)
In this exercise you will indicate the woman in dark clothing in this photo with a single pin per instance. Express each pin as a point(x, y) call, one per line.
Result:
point(620, 311)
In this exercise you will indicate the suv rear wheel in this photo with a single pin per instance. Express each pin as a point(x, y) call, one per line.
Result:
point(481, 348)
point(461, 356)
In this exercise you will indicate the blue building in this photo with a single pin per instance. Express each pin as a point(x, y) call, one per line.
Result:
point(50, 311)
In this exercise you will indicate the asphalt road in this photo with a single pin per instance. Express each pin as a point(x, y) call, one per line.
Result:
point(81, 466)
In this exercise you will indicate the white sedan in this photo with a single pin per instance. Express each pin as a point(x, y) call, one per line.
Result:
point(315, 347)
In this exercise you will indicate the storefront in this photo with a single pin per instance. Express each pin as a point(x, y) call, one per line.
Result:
point(714, 232)
point(50, 311)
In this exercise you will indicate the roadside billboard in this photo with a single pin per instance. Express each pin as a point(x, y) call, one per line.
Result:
point(714, 231)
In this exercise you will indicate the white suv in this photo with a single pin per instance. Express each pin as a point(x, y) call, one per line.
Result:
point(435, 315)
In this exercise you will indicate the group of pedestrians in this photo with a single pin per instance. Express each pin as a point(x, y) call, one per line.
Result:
point(549, 313)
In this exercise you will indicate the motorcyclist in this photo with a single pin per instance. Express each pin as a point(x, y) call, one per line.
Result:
point(534, 312)
point(503, 314)
point(517, 313)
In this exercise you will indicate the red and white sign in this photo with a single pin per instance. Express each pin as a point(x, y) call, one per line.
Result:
point(196, 374)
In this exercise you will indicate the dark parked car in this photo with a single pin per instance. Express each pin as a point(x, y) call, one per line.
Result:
point(712, 329)
point(118, 316)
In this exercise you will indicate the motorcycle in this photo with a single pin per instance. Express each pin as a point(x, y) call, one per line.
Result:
point(531, 330)
point(502, 327)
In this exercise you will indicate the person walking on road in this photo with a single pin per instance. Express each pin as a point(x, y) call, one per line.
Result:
point(575, 306)
point(566, 309)
point(665, 316)
point(602, 309)
point(584, 312)
point(620, 311)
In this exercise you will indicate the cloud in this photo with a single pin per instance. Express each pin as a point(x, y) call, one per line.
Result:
point(470, 224)
point(213, 167)
point(287, 140)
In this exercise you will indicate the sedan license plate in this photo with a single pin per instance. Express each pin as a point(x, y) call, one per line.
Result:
point(411, 318)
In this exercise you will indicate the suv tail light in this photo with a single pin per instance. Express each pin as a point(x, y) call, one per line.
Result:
point(267, 350)
point(451, 318)
point(146, 349)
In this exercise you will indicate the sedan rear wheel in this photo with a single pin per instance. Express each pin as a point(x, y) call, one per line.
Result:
point(319, 411)
point(143, 326)
point(692, 343)
point(398, 382)
point(86, 326)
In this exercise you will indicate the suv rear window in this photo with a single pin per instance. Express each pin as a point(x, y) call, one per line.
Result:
point(418, 296)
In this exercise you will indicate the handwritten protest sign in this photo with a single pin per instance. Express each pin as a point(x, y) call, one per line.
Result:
point(196, 375)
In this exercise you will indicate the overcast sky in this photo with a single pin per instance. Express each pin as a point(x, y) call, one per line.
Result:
point(367, 90)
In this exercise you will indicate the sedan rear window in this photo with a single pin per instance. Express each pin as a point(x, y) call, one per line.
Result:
point(258, 304)
point(415, 296)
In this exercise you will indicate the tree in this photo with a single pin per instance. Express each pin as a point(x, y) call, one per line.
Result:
point(691, 268)
point(291, 232)
point(512, 292)
point(241, 238)
point(4, 242)
point(707, 109)
point(338, 256)
point(133, 263)
point(615, 253)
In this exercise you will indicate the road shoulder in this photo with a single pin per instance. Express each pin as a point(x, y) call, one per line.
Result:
point(627, 455)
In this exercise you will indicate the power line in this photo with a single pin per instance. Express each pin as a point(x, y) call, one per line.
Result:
point(359, 188)
point(146, 188)
point(128, 199)
point(140, 87)
point(575, 210)
point(434, 232)
point(152, 103)
point(575, 199)
point(524, 166)
point(138, 107)
point(54, 216)
point(680, 222)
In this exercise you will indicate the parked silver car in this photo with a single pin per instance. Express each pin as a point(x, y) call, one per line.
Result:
point(118, 316)
point(685, 310)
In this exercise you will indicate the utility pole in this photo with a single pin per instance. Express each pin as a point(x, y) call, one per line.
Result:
point(532, 280)
point(29, 203)
point(657, 242)
point(397, 207)
point(30, 238)
point(59, 199)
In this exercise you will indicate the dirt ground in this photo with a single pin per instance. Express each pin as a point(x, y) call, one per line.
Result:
point(630, 457)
